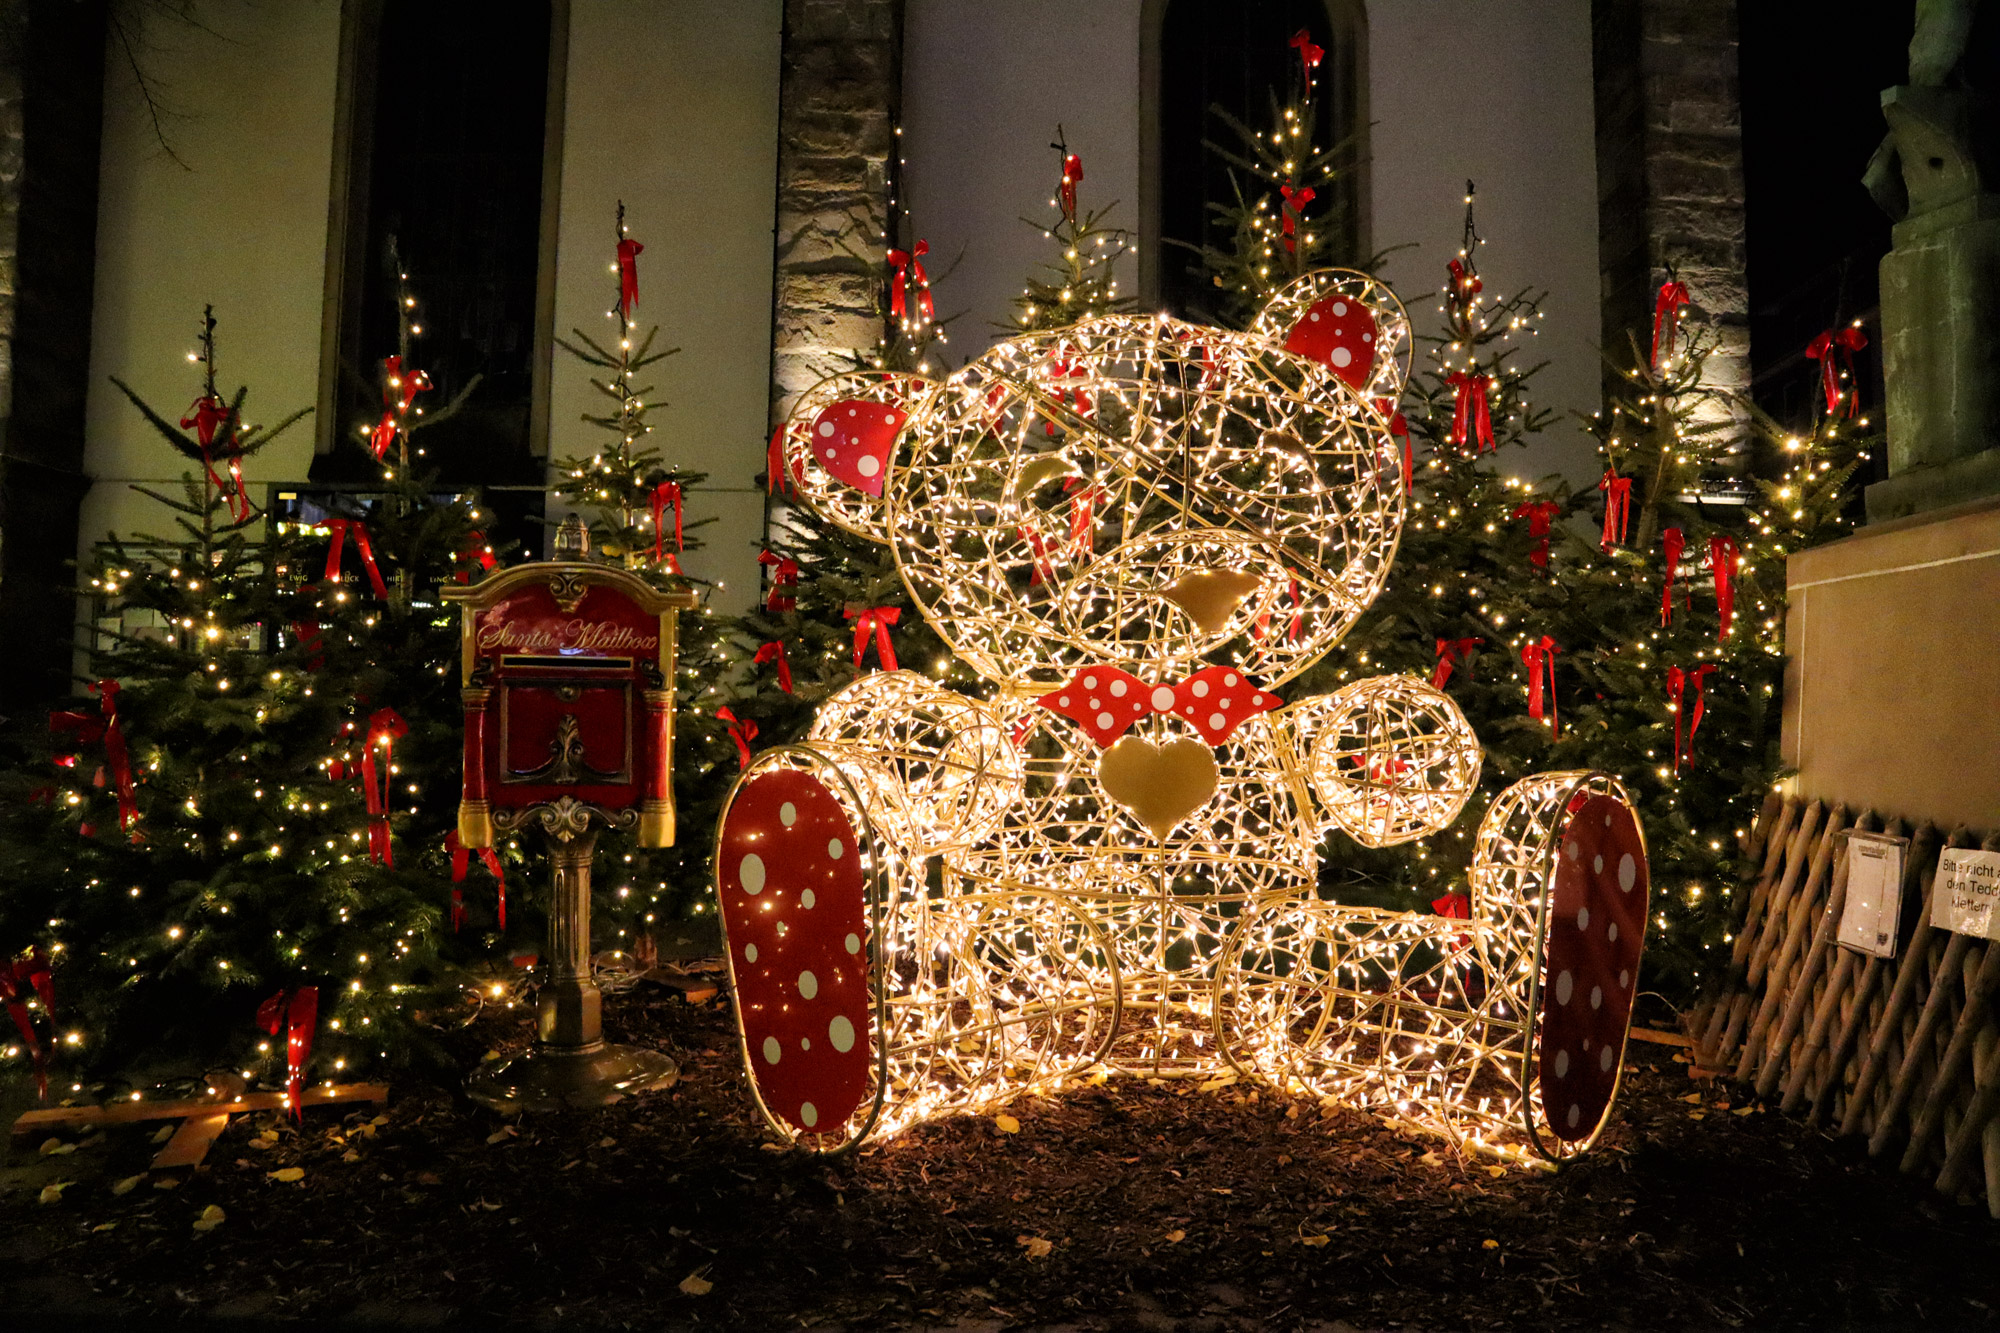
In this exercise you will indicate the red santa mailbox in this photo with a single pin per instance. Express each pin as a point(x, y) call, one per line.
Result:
point(568, 670)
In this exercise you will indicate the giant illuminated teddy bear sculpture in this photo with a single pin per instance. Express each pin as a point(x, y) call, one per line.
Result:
point(1136, 530)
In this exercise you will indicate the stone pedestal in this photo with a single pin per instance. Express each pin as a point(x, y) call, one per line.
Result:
point(1941, 335)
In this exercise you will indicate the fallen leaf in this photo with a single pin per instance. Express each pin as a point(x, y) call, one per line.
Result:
point(289, 1175)
point(1697, 1115)
point(211, 1218)
point(1431, 1159)
point(1037, 1247)
point(1007, 1124)
point(53, 1193)
point(1496, 1171)
point(1284, 1159)
point(379, 1120)
point(1176, 1236)
point(165, 1132)
point(500, 1135)
point(694, 1284)
point(1693, 1098)
point(1489, 1244)
point(56, 1148)
point(350, 1156)
point(127, 1185)
point(1292, 1111)
point(1217, 1084)
point(1743, 1110)
point(428, 1178)
point(1315, 1241)
point(105, 1226)
point(166, 1183)
point(607, 1142)
point(269, 1136)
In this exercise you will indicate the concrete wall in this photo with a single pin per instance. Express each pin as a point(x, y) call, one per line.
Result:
point(239, 220)
point(1892, 693)
point(1498, 91)
point(673, 107)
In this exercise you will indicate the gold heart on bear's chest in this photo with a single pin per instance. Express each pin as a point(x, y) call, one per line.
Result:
point(1161, 784)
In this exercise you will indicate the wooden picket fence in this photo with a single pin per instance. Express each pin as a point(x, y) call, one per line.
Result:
point(1906, 1050)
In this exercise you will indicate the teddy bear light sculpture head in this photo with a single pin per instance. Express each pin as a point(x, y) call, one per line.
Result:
point(1136, 530)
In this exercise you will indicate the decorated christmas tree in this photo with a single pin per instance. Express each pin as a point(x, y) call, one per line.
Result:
point(199, 891)
point(634, 501)
point(1081, 282)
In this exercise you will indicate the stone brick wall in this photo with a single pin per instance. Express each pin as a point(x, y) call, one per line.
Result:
point(840, 88)
point(1670, 171)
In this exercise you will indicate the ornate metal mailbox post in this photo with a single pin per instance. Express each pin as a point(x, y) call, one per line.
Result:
point(568, 669)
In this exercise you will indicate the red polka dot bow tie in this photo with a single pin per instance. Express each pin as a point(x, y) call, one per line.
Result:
point(1105, 701)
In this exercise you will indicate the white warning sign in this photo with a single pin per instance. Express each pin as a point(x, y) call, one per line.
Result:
point(1874, 893)
point(1968, 885)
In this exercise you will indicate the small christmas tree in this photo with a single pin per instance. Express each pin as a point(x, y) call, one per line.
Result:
point(1282, 221)
point(1081, 282)
point(635, 502)
point(191, 865)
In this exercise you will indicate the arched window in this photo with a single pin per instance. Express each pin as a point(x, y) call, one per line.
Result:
point(1236, 55)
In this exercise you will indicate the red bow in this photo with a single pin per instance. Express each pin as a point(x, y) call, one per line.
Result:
point(1677, 683)
point(1399, 429)
point(338, 528)
point(1042, 570)
point(478, 551)
point(308, 635)
point(295, 1013)
point(405, 387)
point(385, 725)
point(1302, 42)
point(1465, 284)
point(1540, 657)
point(1084, 499)
point(22, 975)
point(384, 434)
point(1724, 557)
point(914, 261)
point(1847, 342)
point(115, 756)
point(779, 479)
point(775, 651)
point(1060, 370)
point(1469, 412)
point(628, 275)
point(1617, 507)
point(1667, 318)
point(1262, 626)
point(1675, 542)
point(664, 494)
point(459, 862)
point(1538, 516)
point(784, 578)
point(1455, 907)
point(1294, 209)
point(742, 732)
point(1072, 172)
point(207, 414)
point(1452, 652)
point(876, 619)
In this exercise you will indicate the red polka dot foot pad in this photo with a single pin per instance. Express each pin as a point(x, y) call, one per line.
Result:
point(1597, 926)
point(788, 872)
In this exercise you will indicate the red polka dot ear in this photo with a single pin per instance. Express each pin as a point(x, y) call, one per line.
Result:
point(1340, 333)
point(854, 439)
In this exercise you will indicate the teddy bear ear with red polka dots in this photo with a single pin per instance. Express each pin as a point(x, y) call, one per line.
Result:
point(1346, 321)
point(839, 445)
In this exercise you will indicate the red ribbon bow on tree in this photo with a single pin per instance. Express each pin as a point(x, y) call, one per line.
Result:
point(1041, 570)
point(1262, 625)
point(784, 582)
point(460, 861)
point(208, 414)
point(913, 260)
point(1617, 508)
point(875, 620)
point(1470, 414)
point(778, 478)
point(774, 651)
point(1294, 209)
point(741, 731)
point(295, 1012)
point(628, 275)
point(338, 530)
point(1677, 683)
point(1399, 429)
point(1538, 515)
point(1072, 172)
point(476, 552)
point(385, 726)
point(1083, 502)
point(664, 494)
point(115, 757)
point(1675, 542)
point(1452, 652)
point(1724, 557)
point(1309, 54)
point(21, 977)
point(1667, 318)
point(1539, 658)
point(1455, 907)
point(1846, 342)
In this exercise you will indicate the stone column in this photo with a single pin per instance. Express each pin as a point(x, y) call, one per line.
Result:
point(51, 119)
point(1670, 176)
point(839, 92)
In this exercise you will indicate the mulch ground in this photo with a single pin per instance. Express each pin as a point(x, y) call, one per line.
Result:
point(1124, 1206)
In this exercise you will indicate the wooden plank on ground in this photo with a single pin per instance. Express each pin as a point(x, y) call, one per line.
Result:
point(191, 1141)
point(128, 1113)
